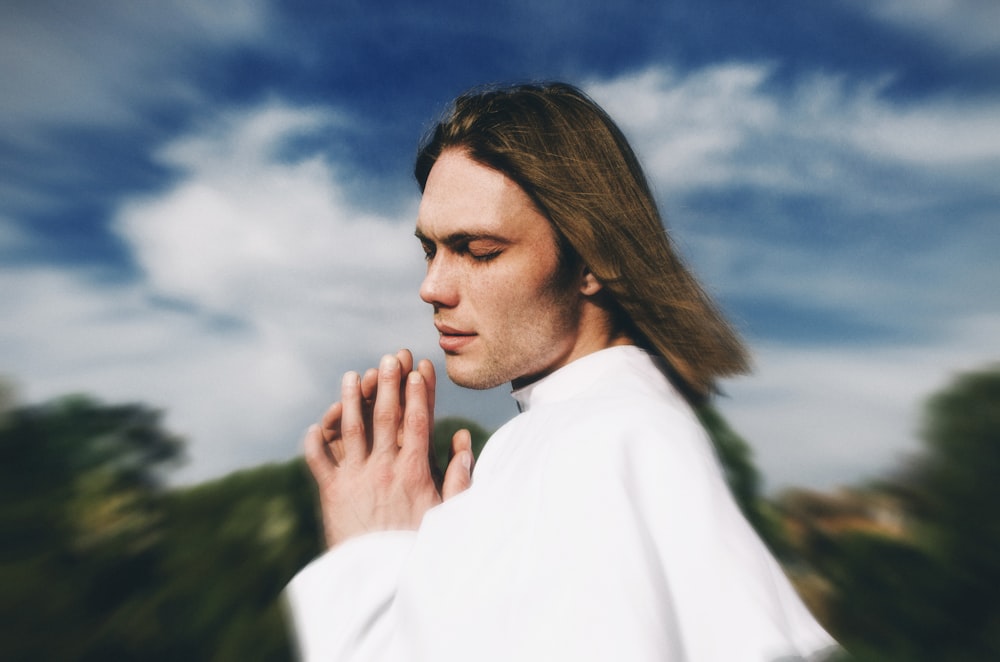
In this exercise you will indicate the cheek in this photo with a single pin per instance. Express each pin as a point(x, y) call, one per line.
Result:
point(522, 291)
point(496, 290)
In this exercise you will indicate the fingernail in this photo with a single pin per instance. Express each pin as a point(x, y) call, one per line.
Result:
point(415, 378)
point(350, 379)
point(388, 362)
point(466, 460)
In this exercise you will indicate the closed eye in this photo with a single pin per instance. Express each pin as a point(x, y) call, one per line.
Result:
point(479, 248)
point(482, 250)
point(484, 257)
point(429, 250)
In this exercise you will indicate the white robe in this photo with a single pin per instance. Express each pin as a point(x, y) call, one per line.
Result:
point(598, 527)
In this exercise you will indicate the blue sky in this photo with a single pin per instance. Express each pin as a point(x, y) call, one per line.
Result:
point(208, 207)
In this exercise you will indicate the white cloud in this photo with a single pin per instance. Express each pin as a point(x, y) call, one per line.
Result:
point(244, 232)
point(96, 63)
point(689, 127)
point(725, 126)
point(829, 416)
point(76, 335)
point(967, 27)
point(274, 287)
point(940, 133)
point(905, 292)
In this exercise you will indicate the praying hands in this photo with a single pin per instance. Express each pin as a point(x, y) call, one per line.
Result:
point(370, 452)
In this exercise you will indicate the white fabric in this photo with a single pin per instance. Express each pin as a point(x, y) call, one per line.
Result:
point(598, 527)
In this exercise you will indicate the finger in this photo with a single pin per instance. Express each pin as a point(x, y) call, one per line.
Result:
point(320, 463)
point(330, 423)
point(458, 477)
point(352, 422)
point(369, 391)
point(405, 367)
point(461, 441)
point(369, 381)
point(416, 419)
point(405, 360)
point(426, 370)
point(329, 429)
point(385, 417)
point(369, 384)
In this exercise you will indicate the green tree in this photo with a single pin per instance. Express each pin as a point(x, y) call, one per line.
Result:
point(956, 493)
point(100, 562)
point(229, 548)
point(79, 484)
point(933, 594)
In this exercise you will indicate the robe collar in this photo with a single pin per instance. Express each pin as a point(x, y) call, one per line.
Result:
point(576, 376)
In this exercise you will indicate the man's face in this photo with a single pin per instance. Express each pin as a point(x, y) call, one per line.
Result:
point(493, 277)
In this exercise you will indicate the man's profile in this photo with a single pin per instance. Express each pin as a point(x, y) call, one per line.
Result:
point(597, 524)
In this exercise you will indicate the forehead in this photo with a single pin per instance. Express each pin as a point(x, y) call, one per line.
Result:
point(463, 195)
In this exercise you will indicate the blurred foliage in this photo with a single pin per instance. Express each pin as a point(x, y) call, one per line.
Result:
point(915, 575)
point(99, 561)
point(81, 522)
point(232, 546)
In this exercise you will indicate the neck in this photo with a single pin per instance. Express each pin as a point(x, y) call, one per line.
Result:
point(595, 331)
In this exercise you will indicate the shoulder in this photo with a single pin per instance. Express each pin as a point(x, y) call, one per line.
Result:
point(642, 446)
point(618, 422)
point(628, 419)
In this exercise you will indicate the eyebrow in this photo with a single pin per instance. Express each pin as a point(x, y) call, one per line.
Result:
point(460, 238)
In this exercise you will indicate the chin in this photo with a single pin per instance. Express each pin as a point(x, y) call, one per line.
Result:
point(471, 377)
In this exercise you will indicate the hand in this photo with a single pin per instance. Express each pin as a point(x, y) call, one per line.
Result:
point(461, 440)
point(369, 455)
point(369, 387)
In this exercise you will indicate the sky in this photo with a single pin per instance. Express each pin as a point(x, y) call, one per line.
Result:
point(209, 207)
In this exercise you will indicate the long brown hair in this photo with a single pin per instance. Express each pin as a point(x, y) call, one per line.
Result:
point(568, 155)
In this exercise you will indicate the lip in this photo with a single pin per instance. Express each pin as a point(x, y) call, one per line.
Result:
point(452, 339)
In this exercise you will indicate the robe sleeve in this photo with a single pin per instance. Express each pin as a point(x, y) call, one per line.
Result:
point(340, 605)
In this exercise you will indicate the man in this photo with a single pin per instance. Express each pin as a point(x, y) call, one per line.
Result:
point(598, 525)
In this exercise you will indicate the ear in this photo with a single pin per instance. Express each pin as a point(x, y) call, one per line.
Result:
point(589, 285)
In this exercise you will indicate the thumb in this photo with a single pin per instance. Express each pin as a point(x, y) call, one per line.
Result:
point(458, 476)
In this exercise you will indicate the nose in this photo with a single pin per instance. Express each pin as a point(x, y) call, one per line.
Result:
point(439, 287)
